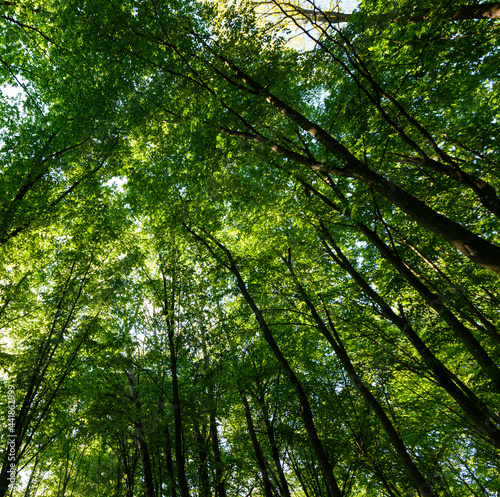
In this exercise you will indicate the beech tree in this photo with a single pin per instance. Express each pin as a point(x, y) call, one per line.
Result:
point(235, 265)
point(314, 12)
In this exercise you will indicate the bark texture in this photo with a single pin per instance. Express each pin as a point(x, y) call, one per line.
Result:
point(149, 489)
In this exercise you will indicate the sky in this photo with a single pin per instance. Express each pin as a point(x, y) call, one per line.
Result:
point(301, 41)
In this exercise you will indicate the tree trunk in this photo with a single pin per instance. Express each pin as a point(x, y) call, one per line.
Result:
point(461, 394)
point(268, 488)
point(388, 427)
point(471, 245)
point(170, 462)
point(168, 310)
point(307, 415)
point(285, 491)
point(486, 326)
point(149, 488)
point(220, 487)
point(462, 332)
point(201, 441)
point(129, 471)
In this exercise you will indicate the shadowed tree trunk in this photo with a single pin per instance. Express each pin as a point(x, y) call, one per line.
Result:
point(149, 488)
point(128, 466)
point(474, 247)
point(170, 462)
point(268, 488)
point(305, 407)
point(341, 353)
point(284, 489)
point(431, 299)
point(168, 310)
point(200, 437)
point(220, 488)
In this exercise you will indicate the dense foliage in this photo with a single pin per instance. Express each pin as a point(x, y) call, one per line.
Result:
point(234, 263)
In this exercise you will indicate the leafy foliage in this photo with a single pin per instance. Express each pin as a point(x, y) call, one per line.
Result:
point(232, 266)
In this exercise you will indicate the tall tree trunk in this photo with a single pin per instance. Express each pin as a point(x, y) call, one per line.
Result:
point(462, 332)
point(388, 427)
point(168, 309)
point(127, 468)
point(201, 441)
point(149, 487)
point(284, 489)
point(445, 165)
point(307, 415)
point(474, 247)
point(460, 393)
point(486, 326)
point(220, 487)
point(261, 462)
point(170, 463)
point(432, 300)
point(298, 473)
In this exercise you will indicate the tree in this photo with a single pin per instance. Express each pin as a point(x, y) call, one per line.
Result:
point(232, 266)
point(314, 13)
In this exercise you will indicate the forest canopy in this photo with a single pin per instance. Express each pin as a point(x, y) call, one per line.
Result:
point(249, 248)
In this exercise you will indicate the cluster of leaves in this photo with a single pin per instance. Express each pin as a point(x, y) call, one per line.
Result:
point(233, 267)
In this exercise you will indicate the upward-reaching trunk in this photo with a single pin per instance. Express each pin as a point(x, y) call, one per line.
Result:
point(220, 487)
point(305, 407)
point(462, 332)
point(268, 487)
point(284, 489)
point(469, 309)
point(35, 407)
point(200, 437)
point(168, 309)
point(128, 468)
point(170, 463)
point(462, 395)
point(149, 488)
point(388, 427)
